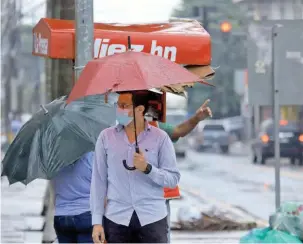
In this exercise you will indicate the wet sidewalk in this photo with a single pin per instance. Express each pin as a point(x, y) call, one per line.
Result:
point(21, 208)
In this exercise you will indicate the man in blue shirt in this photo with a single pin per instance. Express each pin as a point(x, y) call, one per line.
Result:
point(72, 220)
point(136, 209)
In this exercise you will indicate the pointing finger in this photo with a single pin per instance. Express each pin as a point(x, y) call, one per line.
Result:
point(209, 112)
point(205, 103)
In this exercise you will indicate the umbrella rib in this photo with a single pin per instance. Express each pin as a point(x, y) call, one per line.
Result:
point(139, 71)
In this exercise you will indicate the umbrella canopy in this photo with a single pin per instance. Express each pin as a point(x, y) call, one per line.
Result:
point(55, 137)
point(130, 71)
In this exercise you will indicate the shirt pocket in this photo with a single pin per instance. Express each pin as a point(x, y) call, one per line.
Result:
point(114, 159)
point(151, 156)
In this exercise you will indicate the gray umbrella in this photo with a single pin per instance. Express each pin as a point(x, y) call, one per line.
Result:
point(56, 136)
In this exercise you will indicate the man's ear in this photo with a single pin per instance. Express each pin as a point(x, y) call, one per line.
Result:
point(140, 109)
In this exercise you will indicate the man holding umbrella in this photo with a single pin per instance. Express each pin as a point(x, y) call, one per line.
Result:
point(136, 210)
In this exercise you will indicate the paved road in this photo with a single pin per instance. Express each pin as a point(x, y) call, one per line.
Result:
point(234, 180)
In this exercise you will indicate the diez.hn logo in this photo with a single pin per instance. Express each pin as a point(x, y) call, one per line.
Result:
point(103, 47)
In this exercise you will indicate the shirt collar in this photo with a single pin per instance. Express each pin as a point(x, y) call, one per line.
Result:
point(121, 127)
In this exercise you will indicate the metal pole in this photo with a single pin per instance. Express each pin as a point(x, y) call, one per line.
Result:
point(58, 80)
point(84, 19)
point(205, 17)
point(276, 114)
point(257, 120)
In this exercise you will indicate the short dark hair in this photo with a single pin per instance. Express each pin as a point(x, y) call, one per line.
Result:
point(140, 97)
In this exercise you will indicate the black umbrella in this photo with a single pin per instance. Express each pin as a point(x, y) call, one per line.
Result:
point(55, 137)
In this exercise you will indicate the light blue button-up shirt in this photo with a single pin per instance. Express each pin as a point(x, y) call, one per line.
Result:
point(72, 187)
point(129, 191)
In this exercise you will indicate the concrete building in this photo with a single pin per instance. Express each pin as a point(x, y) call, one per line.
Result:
point(274, 10)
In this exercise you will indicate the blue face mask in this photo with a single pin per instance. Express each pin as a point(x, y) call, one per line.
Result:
point(122, 116)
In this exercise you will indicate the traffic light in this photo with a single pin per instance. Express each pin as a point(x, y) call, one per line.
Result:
point(225, 28)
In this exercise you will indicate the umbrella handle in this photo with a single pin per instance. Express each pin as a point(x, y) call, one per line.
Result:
point(44, 109)
point(128, 167)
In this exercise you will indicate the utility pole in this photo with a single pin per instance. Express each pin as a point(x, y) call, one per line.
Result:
point(59, 72)
point(205, 17)
point(201, 14)
point(59, 81)
point(84, 19)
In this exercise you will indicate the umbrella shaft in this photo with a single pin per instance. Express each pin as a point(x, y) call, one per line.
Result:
point(135, 125)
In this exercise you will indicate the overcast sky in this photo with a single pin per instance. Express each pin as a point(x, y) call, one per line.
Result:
point(124, 11)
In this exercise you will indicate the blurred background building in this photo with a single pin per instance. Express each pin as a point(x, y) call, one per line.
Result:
point(22, 77)
point(226, 25)
point(274, 10)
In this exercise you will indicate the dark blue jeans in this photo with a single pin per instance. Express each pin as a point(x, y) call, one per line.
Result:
point(74, 229)
point(135, 233)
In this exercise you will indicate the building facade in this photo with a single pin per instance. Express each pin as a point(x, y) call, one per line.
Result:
point(259, 10)
point(272, 9)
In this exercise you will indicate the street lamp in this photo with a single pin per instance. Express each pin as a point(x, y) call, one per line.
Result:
point(225, 28)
